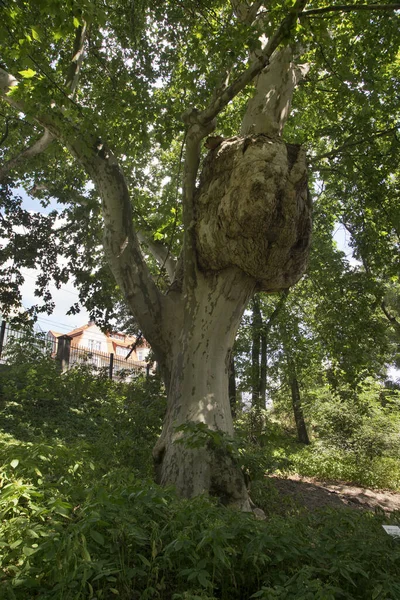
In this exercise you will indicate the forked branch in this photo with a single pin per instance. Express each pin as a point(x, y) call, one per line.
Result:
point(244, 12)
point(160, 252)
point(201, 123)
point(120, 241)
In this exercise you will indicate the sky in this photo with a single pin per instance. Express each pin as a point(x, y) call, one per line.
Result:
point(63, 298)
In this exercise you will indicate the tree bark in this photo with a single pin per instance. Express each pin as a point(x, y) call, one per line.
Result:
point(198, 391)
point(246, 226)
point(256, 327)
point(263, 368)
point(232, 386)
point(302, 434)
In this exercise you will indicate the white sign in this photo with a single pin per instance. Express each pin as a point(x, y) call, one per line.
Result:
point(392, 530)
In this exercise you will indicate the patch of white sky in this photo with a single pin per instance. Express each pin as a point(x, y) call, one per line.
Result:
point(343, 238)
point(63, 297)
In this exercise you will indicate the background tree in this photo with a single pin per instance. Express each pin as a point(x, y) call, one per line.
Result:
point(328, 333)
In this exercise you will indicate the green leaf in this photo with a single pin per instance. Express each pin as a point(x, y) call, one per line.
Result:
point(144, 560)
point(97, 537)
point(35, 34)
point(76, 22)
point(28, 73)
point(32, 533)
point(376, 592)
point(203, 578)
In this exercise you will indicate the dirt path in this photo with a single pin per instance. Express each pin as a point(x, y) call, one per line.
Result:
point(312, 494)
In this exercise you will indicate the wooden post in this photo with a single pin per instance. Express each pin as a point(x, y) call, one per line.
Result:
point(2, 335)
point(63, 352)
point(111, 365)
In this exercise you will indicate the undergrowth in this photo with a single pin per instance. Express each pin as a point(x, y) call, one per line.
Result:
point(81, 519)
point(277, 451)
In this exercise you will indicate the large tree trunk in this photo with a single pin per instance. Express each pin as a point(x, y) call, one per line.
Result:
point(252, 225)
point(198, 392)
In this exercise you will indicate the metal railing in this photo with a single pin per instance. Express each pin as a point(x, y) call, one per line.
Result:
point(26, 337)
point(67, 354)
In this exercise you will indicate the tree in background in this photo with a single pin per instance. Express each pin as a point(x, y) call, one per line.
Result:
point(147, 83)
point(326, 337)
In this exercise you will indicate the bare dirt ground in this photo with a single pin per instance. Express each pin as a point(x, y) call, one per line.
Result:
point(312, 494)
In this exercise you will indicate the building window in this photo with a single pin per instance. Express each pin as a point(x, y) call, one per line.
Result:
point(118, 336)
point(94, 345)
point(142, 354)
point(122, 351)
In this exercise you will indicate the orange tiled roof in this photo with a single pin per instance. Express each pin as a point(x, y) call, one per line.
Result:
point(56, 334)
point(78, 330)
point(112, 342)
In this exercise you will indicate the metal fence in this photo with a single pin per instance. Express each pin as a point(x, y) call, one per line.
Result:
point(67, 354)
point(26, 338)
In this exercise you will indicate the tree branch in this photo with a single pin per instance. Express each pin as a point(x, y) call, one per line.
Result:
point(37, 148)
point(120, 241)
point(282, 33)
point(275, 313)
point(160, 252)
point(333, 153)
point(71, 83)
point(347, 8)
point(392, 320)
point(5, 134)
point(244, 12)
point(201, 123)
point(77, 59)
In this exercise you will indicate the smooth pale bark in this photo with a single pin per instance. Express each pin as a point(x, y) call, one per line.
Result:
point(198, 391)
point(269, 109)
point(160, 252)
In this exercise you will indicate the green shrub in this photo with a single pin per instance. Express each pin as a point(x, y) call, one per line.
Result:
point(332, 464)
point(80, 518)
point(131, 539)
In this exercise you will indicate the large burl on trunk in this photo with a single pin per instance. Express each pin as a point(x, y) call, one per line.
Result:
point(254, 212)
point(252, 228)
